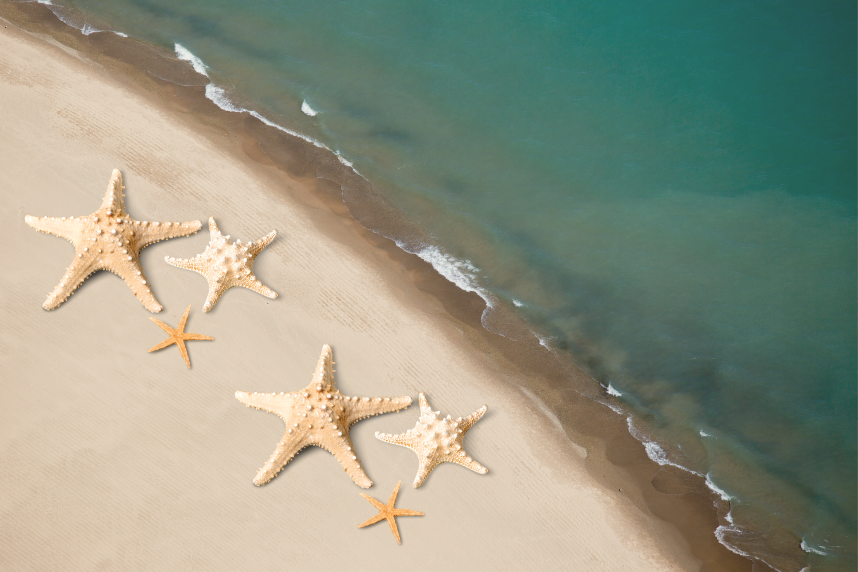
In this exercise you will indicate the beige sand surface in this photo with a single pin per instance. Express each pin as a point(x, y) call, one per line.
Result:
point(112, 458)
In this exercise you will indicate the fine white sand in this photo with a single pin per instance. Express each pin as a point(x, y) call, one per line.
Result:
point(112, 458)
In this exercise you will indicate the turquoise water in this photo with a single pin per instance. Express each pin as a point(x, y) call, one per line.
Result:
point(667, 190)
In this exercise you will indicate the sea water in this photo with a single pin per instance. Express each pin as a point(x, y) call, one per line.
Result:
point(666, 190)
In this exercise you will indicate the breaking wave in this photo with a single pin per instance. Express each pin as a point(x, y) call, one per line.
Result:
point(305, 107)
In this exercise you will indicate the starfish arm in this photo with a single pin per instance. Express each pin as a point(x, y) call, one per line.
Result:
point(256, 247)
point(424, 404)
point(213, 229)
point(271, 402)
point(183, 322)
point(215, 292)
point(80, 269)
point(406, 512)
point(254, 284)
point(471, 419)
point(392, 499)
point(114, 199)
point(373, 520)
point(426, 466)
point(466, 461)
point(132, 273)
point(344, 453)
point(363, 407)
point(197, 337)
point(324, 372)
point(153, 232)
point(196, 263)
point(286, 449)
point(162, 345)
point(393, 528)
point(68, 229)
point(170, 331)
point(180, 343)
point(376, 503)
point(402, 439)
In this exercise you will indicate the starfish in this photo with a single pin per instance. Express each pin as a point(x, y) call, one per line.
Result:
point(387, 511)
point(319, 415)
point(108, 239)
point(437, 440)
point(226, 264)
point(178, 336)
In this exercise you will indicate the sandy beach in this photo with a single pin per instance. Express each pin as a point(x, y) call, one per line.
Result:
point(112, 458)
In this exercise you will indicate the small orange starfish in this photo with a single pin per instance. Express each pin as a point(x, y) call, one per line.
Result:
point(388, 512)
point(178, 336)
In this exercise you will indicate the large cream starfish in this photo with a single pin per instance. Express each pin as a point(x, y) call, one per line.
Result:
point(437, 440)
point(319, 415)
point(226, 264)
point(178, 337)
point(387, 512)
point(108, 239)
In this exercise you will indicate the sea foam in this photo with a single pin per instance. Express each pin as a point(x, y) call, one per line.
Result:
point(305, 107)
point(810, 549)
point(543, 341)
point(460, 272)
point(65, 16)
point(653, 450)
point(219, 97)
point(185, 54)
point(724, 496)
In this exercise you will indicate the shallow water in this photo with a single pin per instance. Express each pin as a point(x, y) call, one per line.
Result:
point(666, 190)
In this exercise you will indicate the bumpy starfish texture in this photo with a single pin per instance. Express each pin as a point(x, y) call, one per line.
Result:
point(108, 239)
point(227, 264)
point(319, 415)
point(387, 512)
point(437, 440)
point(178, 337)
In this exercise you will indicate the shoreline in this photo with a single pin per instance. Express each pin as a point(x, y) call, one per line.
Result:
point(613, 456)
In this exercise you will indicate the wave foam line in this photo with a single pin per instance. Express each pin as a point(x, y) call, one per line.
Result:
point(810, 549)
point(460, 272)
point(654, 450)
point(724, 496)
point(86, 29)
point(305, 107)
point(543, 341)
point(185, 55)
point(218, 96)
point(720, 534)
point(657, 454)
point(722, 530)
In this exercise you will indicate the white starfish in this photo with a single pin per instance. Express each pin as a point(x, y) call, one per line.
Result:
point(437, 440)
point(227, 264)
